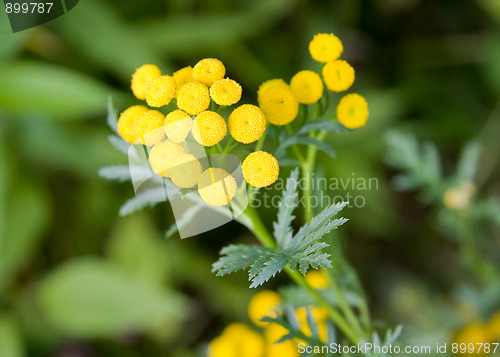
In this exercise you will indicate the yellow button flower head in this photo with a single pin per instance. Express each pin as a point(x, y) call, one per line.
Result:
point(338, 75)
point(209, 128)
point(208, 70)
point(178, 124)
point(216, 186)
point(277, 82)
point(163, 156)
point(237, 340)
point(287, 348)
point(193, 98)
point(317, 279)
point(186, 171)
point(127, 120)
point(225, 92)
point(307, 87)
point(149, 127)
point(473, 333)
point(181, 77)
point(320, 314)
point(494, 327)
point(325, 47)
point(279, 105)
point(260, 169)
point(352, 111)
point(141, 78)
point(264, 303)
point(247, 123)
point(160, 91)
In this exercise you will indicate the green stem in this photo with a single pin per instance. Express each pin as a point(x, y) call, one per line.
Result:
point(229, 144)
point(261, 141)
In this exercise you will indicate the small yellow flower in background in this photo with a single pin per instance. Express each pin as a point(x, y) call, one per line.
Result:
point(193, 98)
point(149, 127)
point(181, 77)
point(279, 105)
point(264, 303)
point(247, 123)
point(325, 47)
point(209, 70)
point(160, 91)
point(186, 171)
point(473, 333)
point(178, 124)
point(318, 279)
point(163, 156)
point(338, 75)
point(237, 340)
point(216, 186)
point(127, 120)
point(141, 78)
point(458, 198)
point(225, 92)
point(352, 111)
point(260, 169)
point(277, 82)
point(494, 327)
point(209, 128)
point(307, 87)
point(272, 333)
point(320, 315)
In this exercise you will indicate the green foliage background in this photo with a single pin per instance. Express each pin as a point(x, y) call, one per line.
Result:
point(76, 278)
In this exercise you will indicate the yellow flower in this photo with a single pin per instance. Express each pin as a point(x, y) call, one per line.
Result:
point(208, 70)
point(289, 348)
point(160, 91)
point(178, 124)
point(279, 105)
point(141, 78)
point(216, 186)
point(127, 120)
point(307, 87)
point(225, 92)
point(320, 315)
point(338, 75)
point(186, 171)
point(473, 333)
point(239, 340)
point(494, 327)
point(352, 111)
point(209, 128)
point(247, 123)
point(193, 98)
point(264, 303)
point(149, 127)
point(318, 279)
point(181, 77)
point(277, 82)
point(260, 169)
point(325, 47)
point(458, 198)
point(163, 156)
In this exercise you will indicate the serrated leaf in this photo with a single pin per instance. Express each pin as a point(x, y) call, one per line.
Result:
point(112, 117)
point(186, 218)
point(237, 257)
point(125, 172)
point(270, 269)
point(142, 200)
point(469, 158)
point(294, 139)
point(289, 201)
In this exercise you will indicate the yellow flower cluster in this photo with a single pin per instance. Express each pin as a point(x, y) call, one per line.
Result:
point(239, 339)
point(479, 332)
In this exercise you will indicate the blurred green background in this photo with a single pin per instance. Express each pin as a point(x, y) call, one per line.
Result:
point(78, 280)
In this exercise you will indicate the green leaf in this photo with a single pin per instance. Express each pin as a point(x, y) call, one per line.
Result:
point(91, 298)
point(11, 344)
point(468, 162)
point(186, 218)
point(283, 225)
point(112, 116)
point(327, 125)
point(119, 143)
point(237, 257)
point(262, 273)
point(142, 200)
point(123, 173)
point(293, 140)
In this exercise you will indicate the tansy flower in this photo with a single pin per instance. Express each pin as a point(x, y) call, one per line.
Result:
point(320, 315)
point(216, 186)
point(277, 82)
point(225, 92)
point(149, 127)
point(325, 47)
point(272, 333)
point(279, 105)
point(338, 75)
point(186, 171)
point(458, 198)
point(474, 333)
point(239, 340)
point(160, 91)
point(178, 124)
point(247, 123)
point(163, 156)
point(193, 98)
point(307, 87)
point(260, 169)
point(352, 111)
point(318, 279)
point(494, 327)
point(141, 78)
point(209, 128)
point(208, 70)
point(127, 120)
point(181, 77)
point(264, 303)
